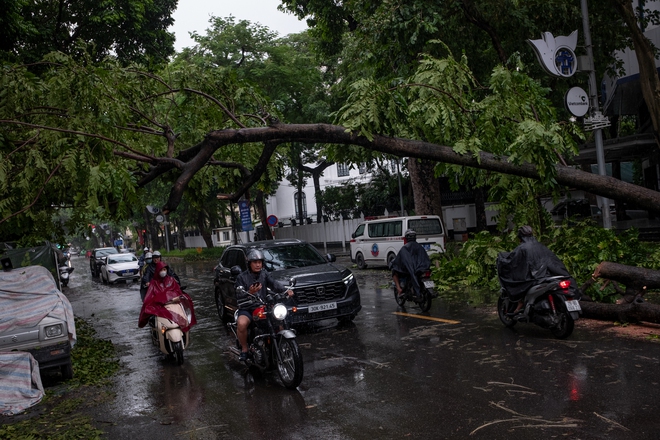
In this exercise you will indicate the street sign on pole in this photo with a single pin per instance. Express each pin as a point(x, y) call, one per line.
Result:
point(246, 219)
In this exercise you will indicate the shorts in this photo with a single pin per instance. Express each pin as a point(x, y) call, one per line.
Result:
point(244, 312)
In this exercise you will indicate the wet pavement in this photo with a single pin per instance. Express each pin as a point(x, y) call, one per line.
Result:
point(454, 372)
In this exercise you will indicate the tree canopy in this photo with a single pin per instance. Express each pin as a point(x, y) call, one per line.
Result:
point(88, 134)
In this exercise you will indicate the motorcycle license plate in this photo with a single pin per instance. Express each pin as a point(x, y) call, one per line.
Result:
point(426, 246)
point(429, 284)
point(573, 306)
point(322, 307)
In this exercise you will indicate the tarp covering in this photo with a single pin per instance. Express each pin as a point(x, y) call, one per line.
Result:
point(412, 259)
point(28, 295)
point(519, 269)
point(44, 255)
point(20, 382)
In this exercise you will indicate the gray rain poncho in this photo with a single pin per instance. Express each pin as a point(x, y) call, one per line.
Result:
point(519, 269)
point(411, 259)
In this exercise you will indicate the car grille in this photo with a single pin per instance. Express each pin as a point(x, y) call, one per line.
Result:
point(320, 293)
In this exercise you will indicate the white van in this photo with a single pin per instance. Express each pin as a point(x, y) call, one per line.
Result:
point(377, 242)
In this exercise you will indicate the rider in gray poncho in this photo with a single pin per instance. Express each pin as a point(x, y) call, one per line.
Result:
point(411, 259)
point(531, 261)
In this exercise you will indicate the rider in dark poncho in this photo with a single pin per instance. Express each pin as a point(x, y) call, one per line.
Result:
point(411, 259)
point(519, 269)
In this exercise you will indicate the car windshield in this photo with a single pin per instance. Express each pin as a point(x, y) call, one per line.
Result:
point(105, 252)
point(121, 259)
point(288, 256)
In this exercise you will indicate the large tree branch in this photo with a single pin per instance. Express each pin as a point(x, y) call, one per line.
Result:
point(325, 133)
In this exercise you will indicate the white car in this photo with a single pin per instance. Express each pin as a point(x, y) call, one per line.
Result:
point(119, 267)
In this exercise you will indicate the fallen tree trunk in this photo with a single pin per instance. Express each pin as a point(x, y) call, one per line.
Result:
point(627, 312)
point(633, 307)
point(636, 279)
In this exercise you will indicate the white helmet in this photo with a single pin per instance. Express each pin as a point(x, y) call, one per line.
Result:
point(157, 254)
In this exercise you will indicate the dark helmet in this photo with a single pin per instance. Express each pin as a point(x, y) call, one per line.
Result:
point(255, 254)
point(411, 235)
point(525, 231)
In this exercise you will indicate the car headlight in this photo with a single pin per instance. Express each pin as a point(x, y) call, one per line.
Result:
point(349, 279)
point(53, 331)
point(280, 312)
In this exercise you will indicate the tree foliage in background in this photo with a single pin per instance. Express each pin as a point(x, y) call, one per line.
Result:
point(132, 31)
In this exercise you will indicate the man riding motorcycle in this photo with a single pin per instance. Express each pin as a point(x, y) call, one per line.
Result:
point(256, 282)
point(529, 262)
point(411, 259)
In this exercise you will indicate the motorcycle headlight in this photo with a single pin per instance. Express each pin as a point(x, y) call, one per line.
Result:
point(280, 312)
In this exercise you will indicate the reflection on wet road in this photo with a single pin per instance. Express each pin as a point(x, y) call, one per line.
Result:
point(387, 375)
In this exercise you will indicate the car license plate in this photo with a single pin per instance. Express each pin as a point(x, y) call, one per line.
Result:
point(573, 306)
point(322, 307)
point(429, 284)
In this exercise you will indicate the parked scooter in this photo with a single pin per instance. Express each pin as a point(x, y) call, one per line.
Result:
point(426, 292)
point(551, 303)
point(271, 341)
point(65, 272)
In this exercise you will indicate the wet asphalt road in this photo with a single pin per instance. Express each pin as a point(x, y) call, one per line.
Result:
point(387, 375)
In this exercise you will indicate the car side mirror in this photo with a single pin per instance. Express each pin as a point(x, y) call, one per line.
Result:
point(331, 258)
point(353, 235)
point(235, 271)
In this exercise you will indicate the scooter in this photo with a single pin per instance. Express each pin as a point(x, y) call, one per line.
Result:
point(551, 303)
point(167, 334)
point(426, 292)
point(65, 272)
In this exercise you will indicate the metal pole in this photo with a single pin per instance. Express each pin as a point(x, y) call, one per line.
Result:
point(593, 101)
point(398, 174)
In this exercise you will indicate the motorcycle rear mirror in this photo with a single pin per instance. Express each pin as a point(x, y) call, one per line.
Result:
point(292, 282)
point(236, 271)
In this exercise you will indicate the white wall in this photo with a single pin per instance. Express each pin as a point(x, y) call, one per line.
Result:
point(282, 204)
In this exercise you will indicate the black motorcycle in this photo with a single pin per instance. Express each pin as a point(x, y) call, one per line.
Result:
point(271, 341)
point(551, 303)
point(426, 292)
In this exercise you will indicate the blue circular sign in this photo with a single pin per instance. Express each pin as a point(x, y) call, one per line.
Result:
point(271, 220)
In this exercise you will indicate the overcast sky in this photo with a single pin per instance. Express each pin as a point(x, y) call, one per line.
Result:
point(193, 15)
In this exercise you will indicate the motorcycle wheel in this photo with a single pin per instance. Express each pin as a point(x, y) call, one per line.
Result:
point(502, 311)
point(425, 302)
point(565, 326)
point(290, 363)
point(400, 299)
point(177, 352)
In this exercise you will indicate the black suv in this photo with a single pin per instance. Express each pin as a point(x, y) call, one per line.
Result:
point(96, 259)
point(323, 290)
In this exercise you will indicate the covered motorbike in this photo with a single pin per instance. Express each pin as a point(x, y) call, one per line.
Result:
point(413, 259)
point(170, 314)
point(271, 342)
point(534, 275)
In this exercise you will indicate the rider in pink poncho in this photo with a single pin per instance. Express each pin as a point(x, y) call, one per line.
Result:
point(163, 289)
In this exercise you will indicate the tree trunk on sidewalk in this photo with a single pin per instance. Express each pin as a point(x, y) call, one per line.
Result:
point(633, 309)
